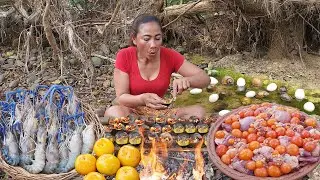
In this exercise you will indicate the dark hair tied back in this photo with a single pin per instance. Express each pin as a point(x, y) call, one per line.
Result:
point(141, 19)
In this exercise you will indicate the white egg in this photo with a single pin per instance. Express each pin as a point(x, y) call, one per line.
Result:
point(241, 82)
point(223, 112)
point(251, 94)
point(299, 94)
point(272, 87)
point(213, 97)
point(213, 81)
point(309, 106)
point(195, 91)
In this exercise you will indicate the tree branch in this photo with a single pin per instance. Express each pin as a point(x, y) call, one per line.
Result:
point(115, 12)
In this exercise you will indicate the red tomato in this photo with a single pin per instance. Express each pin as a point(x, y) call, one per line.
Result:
point(295, 120)
point(221, 150)
point(305, 134)
point(290, 133)
point(281, 131)
point(271, 134)
point(297, 140)
point(241, 114)
point(309, 146)
point(248, 113)
point(260, 139)
point(251, 137)
point(274, 143)
point(296, 114)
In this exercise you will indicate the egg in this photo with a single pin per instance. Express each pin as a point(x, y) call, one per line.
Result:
point(223, 112)
point(250, 94)
point(241, 82)
point(195, 91)
point(309, 106)
point(299, 94)
point(256, 82)
point(213, 98)
point(213, 81)
point(272, 87)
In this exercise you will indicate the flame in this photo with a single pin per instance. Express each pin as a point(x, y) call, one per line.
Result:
point(152, 167)
point(198, 171)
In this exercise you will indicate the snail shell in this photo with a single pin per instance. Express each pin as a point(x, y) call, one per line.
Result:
point(227, 80)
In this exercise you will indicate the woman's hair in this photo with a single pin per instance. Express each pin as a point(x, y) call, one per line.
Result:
point(141, 19)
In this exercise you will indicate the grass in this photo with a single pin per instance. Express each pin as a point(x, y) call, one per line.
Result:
point(234, 99)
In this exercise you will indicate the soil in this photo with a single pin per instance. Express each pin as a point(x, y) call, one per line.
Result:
point(301, 72)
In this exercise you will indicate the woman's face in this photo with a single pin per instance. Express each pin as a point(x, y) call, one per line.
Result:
point(148, 40)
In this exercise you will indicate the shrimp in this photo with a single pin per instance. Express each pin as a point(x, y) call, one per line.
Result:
point(10, 151)
point(63, 153)
point(52, 156)
point(75, 146)
point(52, 152)
point(88, 139)
point(39, 156)
point(26, 145)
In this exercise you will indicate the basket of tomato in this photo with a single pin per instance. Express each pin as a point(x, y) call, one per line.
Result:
point(264, 141)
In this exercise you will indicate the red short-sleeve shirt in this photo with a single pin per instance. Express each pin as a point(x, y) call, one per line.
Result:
point(170, 61)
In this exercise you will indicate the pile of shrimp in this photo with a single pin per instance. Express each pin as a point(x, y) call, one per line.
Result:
point(44, 130)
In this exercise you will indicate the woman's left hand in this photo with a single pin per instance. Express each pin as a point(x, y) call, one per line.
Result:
point(179, 85)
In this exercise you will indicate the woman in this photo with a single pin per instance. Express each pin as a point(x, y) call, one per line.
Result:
point(142, 72)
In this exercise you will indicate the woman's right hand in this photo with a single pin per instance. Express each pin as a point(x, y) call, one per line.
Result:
point(153, 101)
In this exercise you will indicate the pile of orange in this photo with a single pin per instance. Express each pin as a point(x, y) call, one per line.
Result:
point(272, 143)
point(106, 163)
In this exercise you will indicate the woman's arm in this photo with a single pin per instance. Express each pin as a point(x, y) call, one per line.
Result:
point(121, 83)
point(193, 76)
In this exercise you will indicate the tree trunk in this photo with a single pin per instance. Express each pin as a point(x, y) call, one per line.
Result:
point(204, 6)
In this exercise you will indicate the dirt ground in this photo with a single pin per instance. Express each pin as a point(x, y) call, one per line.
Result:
point(301, 72)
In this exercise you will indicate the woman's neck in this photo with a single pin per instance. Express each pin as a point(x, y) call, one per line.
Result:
point(146, 60)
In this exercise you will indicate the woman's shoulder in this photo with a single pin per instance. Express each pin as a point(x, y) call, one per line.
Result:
point(126, 50)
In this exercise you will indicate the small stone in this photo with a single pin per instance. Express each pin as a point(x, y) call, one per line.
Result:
point(107, 83)
point(73, 61)
point(96, 61)
point(1, 78)
point(286, 97)
point(14, 83)
point(19, 63)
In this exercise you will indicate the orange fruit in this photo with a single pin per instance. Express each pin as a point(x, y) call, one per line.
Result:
point(108, 164)
point(219, 134)
point(274, 171)
point(261, 172)
point(94, 176)
point(285, 168)
point(129, 156)
point(292, 149)
point(251, 165)
point(226, 159)
point(103, 146)
point(311, 122)
point(254, 145)
point(245, 154)
point(127, 173)
point(85, 163)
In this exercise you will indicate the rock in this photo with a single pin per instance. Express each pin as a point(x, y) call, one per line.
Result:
point(14, 83)
point(181, 49)
point(256, 82)
point(73, 61)
point(105, 49)
point(262, 94)
point(107, 83)
point(245, 101)
point(286, 97)
point(203, 65)
point(31, 78)
point(19, 63)
point(96, 62)
point(1, 78)
point(283, 90)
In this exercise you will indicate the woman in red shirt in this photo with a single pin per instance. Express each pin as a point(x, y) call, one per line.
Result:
point(142, 72)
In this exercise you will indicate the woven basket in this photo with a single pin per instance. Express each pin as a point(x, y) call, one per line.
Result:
point(238, 175)
point(19, 173)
